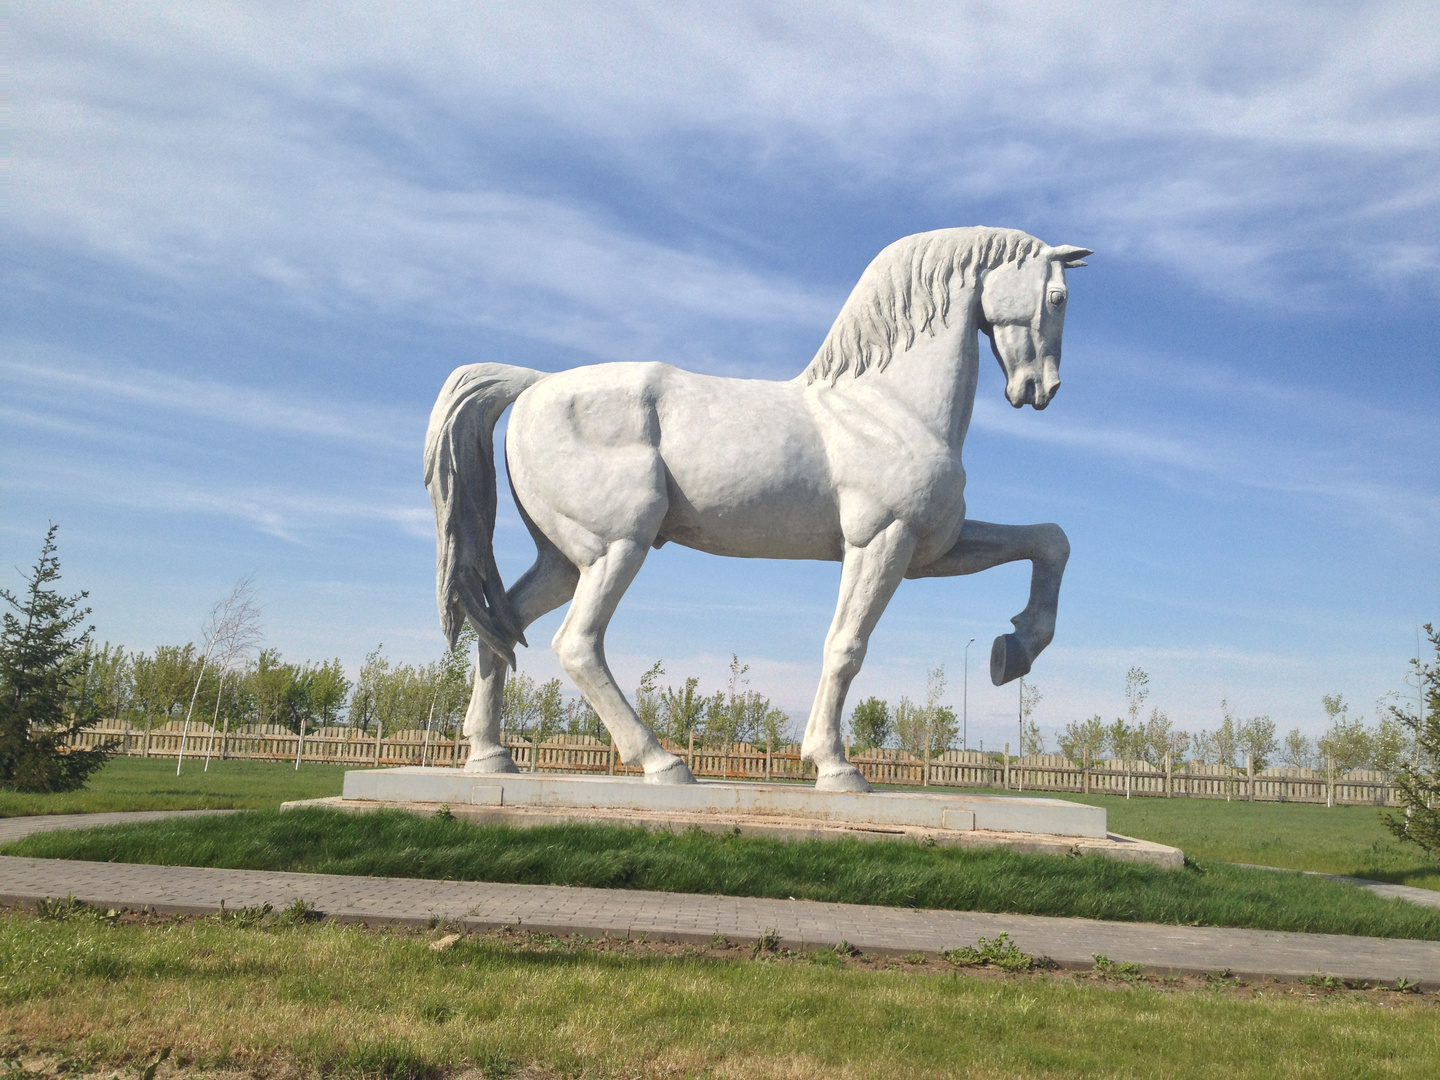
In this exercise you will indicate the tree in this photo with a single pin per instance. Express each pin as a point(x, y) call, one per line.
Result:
point(680, 712)
point(365, 704)
point(1418, 780)
point(327, 688)
point(236, 633)
point(648, 696)
point(927, 729)
point(1137, 689)
point(1162, 738)
point(910, 727)
point(520, 704)
point(1391, 745)
point(230, 618)
point(1298, 750)
point(870, 724)
point(1220, 746)
point(110, 679)
point(582, 719)
point(1125, 741)
point(1345, 740)
point(1256, 737)
point(162, 681)
point(550, 708)
point(454, 679)
point(45, 699)
point(1080, 739)
point(1032, 741)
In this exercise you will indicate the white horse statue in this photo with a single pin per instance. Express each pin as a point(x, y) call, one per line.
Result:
point(857, 460)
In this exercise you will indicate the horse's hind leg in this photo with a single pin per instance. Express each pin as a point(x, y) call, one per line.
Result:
point(542, 588)
point(580, 644)
point(983, 545)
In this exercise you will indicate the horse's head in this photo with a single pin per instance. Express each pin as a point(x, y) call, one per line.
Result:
point(1023, 305)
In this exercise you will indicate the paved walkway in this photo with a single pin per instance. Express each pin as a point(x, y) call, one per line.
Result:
point(17, 828)
point(1423, 897)
point(686, 917)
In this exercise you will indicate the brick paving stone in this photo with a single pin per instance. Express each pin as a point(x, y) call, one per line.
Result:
point(800, 924)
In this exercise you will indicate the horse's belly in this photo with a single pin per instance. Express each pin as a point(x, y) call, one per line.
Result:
point(759, 530)
point(746, 471)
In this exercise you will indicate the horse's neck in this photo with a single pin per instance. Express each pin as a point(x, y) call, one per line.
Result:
point(933, 381)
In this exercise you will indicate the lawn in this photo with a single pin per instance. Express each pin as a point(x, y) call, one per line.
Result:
point(324, 1000)
point(132, 783)
point(1298, 836)
point(398, 844)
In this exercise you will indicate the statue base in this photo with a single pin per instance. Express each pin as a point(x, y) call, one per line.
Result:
point(777, 810)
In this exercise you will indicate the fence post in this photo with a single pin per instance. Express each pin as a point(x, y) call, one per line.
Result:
point(1168, 783)
point(612, 755)
point(1007, 766)
point(1085, 771)
point(379, 731)
point(769, 749)
point(1330, 780)
point(1249, 777)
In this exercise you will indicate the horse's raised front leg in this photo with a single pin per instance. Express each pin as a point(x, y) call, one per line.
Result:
point(543, 588)
point(580, 644)
point(869, 576)
point(983, 545)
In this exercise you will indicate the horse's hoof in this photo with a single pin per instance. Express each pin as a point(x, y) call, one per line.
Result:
point(844, 778)
point(496, 760)
point(1008, 660)
point(676, 772)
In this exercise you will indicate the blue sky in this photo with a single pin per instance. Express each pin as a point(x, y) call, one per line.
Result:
point(247, 242)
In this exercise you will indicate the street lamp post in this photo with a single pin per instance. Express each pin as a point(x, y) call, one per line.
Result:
point(965, 723)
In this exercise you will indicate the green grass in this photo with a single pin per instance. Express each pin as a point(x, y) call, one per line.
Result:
point(330, 1001)
point(128, 783)
point(1297, 836)
point(1333, 840)
point(397, 844)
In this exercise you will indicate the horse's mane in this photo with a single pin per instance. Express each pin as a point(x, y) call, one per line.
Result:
point(905, 288)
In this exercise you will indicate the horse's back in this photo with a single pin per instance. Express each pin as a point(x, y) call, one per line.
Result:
point(730, 466)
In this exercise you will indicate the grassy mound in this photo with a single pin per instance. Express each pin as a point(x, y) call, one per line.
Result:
point(395, 844)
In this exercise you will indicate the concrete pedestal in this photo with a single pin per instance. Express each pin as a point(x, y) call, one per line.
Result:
point(729, 799)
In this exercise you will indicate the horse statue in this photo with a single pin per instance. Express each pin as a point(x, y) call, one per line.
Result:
point(856, 460)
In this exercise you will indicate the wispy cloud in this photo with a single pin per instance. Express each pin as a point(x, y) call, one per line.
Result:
point(1251, 432)
point(298, 514)
point(71, 383)
point(336, 156)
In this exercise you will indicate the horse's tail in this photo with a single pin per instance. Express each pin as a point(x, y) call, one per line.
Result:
point(460, 476)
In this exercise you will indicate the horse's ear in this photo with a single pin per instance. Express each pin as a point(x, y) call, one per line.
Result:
point(1069, 255)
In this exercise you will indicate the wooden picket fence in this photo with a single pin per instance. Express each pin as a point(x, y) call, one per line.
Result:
point(745, 761)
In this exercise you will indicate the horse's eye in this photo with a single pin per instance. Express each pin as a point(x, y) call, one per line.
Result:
point(1057, 297)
